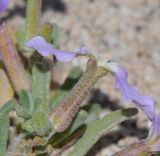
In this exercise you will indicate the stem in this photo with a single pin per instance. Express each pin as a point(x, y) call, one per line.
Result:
point(33, 13)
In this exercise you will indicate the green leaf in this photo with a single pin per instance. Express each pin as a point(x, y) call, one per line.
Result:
point(41, 82)
point(26, 100)
point(7, 108)
point(94, 111)
point(71, 80)
point(4, 132)
point(25, 107)
point(97, 128)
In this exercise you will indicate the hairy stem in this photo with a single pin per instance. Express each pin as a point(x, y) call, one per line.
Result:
point(33, 13)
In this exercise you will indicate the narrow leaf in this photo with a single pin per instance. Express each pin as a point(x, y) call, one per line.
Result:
point(25, 106)
point(4, 126)
point(7, 107)
point(94, 111)
point(4, 130)
point(26, 100)
point(41, 78)
point(97, 128)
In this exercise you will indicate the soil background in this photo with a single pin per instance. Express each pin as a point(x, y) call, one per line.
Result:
point(121, 30)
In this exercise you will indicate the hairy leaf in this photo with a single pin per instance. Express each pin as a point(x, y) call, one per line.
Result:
point(7, 107)
point(41, 82)
point(25, 106)
point(97, 128)
point(4, 131)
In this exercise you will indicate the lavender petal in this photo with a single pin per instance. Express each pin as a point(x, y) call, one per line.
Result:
point(154, 132)
point(46, 49)
point(130, 93)
point(3, 5)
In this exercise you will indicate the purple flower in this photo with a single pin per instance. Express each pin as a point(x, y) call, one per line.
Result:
point(154, 132)
point(145, 103)
point(3, 5)
point(131, 93)
point(46, 49)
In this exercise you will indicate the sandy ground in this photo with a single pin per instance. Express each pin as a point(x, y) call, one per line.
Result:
point(121, 30)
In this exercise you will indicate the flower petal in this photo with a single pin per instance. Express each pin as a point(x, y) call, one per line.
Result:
point(40, 45)
point(154, 132)
point(46, 49)
point(131, 93)
point(3, 5)
point(145, 103)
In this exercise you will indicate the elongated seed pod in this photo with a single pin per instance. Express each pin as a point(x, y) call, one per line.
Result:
point(12, 61)
point(66, 111)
